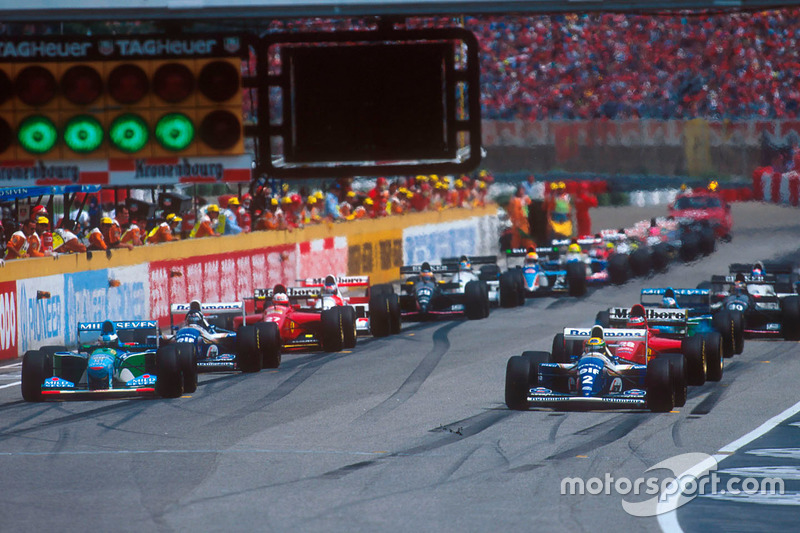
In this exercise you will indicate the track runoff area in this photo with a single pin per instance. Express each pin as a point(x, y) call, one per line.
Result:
point(411, 432)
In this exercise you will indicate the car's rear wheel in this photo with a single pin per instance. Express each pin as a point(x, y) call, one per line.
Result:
point(248, 351)
point(694, 349)
point(659, 384)
point(187, 361)
point(169, 378)
point(790, 318)
point(559, 351)
point(714, 359)
point(640, 262)
point(724, 323)
point(518, 375)
point(618, 269)
point(269, 340)
point(677, 364)
point(509, 292)
point(332, 328)
point(474, 306)
point(576, 278)
point(380, 314)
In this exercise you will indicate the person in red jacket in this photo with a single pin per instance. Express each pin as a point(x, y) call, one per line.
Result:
point(584, 201)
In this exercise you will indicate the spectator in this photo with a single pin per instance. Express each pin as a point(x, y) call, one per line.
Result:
point(65, 241)
point(206, 226)
point(584, 201)
point(226, 223)
point(45, 237)
point(130, 232)
point(166, 231)
point(24, 243)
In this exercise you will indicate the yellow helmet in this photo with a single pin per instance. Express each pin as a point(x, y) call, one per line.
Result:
point(319, 195)
point(274, 201)
point(574, 248)
point(104, 220)
point(713, 186)
point(351, 194)
point(562, 185)
point(286, 200)
point(554, 186)
point(213, 208)
point(234, 201)
point(595, 344)
point(368, 201)
point(44, 220)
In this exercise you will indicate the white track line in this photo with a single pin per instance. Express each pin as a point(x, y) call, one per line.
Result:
point(10, 385)
point(668, 521)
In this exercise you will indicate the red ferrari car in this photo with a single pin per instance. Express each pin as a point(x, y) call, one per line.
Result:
point(705, 207)
point(305, 320)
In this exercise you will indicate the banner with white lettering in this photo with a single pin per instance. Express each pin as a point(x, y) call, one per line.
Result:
point(128, 172)
point(8, 320)
point(40, 312)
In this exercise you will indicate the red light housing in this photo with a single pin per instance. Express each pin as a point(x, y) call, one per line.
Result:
point(35, 86)
point(6, 135)
point(81, 85)
point(219, 81)
point(173, 82)
point(6, 87)
point(220, 130)
point(127, 84)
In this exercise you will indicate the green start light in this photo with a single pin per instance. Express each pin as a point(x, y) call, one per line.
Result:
point(37, 134)
point(83, 134)
point(174, 131)
point(129, 133)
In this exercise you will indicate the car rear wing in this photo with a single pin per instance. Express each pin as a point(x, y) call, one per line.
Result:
point(770, 267)
point(610, 335)
point(588, 241)
point(408, 270)
point(129, 332)
point(766, 279)
point(225, 310)
point(655, 316)
point(475, 260)
point(294, 293)
point(684, 297)
point(341, 281)
point(549, 252)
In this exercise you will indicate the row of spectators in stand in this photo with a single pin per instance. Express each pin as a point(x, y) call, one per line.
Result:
point(617, 66)
point(282, 209)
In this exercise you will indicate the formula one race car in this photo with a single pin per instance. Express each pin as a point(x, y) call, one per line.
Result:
point(217, 347)
point(312, 324)
point(601, 375)
point(764, 311)
point(423, 296)
point(505, 288)
point(787, 278)
point(377, 308)
point(549, 270)
point(668, 332)
point(707, 208)
point(700, 316)
point(112, 359)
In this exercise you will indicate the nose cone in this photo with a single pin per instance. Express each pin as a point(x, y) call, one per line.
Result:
point(590, 376)
point(99, 370)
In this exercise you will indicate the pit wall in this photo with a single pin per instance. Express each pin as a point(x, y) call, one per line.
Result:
point(141, 283)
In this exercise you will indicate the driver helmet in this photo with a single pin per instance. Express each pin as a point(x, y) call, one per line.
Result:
point(426, 274)
point(194, 318)
point(594, 345)
point(758, 269)
point(739, 287)
point(669, 299)
point(532, 258)
point(464, 263)
point(280, 298)
point(329, 286)
point(108, 337)
point(574, 248)
point(637, 321)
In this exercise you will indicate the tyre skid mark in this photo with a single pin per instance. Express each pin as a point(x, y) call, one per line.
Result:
point(618, 431)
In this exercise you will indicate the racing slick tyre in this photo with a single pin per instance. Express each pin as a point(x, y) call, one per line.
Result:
point(576, 278)
point(474, 296)
point(187, 362)
point(603, 318)
point(738, 333)
point(677, 362)
point(51, 350)
point(332, 329)
point(248, 349)
point(560, 352)
point(169, 378)
point(269, 340)
point(640, 262)
point(694, 349)
point(690, 246)
point(534, 359)
point(618, 269)
point(519, 278)
point(396, 319)
point(790, 318)
point(487, 305)
point(509, 291)
point(660, 257)
point(659, 384)
point(707, 243)
point(37, 366)
point(380, 314)
point(724, 323)
point(518, 383)
point(349, 326)
point(713, 341)
point(381, 289)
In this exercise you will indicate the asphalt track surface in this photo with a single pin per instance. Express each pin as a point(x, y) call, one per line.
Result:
point(408, 433)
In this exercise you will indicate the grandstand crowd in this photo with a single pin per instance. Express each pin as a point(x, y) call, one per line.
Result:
point(107, 226)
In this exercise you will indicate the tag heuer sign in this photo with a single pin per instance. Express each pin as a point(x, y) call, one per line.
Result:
point(105, 47)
